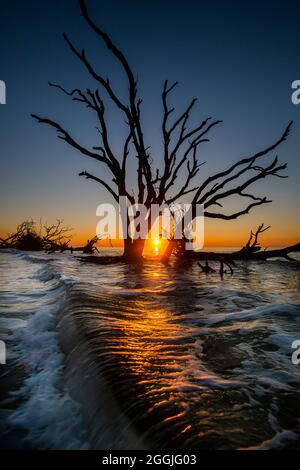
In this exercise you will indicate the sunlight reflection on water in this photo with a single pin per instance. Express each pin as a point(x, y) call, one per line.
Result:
point(195, 360)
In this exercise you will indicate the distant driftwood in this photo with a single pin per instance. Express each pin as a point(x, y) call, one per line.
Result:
point(30, 236)
point(103, 260)
point(251, 251)
point(50, 238)
point(243, 255)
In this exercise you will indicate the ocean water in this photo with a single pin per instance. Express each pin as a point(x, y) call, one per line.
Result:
point(147, 357)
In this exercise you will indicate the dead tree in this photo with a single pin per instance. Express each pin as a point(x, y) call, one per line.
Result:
point(56, 237)
point(90, 247)
point(181, 143)
point(252, 245)
point(224, 263)
point(206, 268)
point(251, 251)
point(65, 246)
point(47, 237)
point(25, 237)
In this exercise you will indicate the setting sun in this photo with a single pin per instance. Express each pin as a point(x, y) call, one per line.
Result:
point(156, 244)
point(154, 247)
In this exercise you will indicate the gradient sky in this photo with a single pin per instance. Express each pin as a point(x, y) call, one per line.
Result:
point(238, 58)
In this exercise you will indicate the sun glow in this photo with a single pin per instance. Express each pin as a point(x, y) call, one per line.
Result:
point(154, 247)
point(156, 243)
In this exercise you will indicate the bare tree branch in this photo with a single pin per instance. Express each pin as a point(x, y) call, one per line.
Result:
point(102, 182)
point(64, 135)
point(252, 243)
point(133, 113)
point(171, 169)
point(249, 162)
point(237, 214)
point(272, 169)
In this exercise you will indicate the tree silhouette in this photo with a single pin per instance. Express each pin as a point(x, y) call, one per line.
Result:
point(181, 142)
point(29, 236)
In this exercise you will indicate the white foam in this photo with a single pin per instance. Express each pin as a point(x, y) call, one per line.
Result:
point(277, 442)
point(48, 413)
point(251, 314)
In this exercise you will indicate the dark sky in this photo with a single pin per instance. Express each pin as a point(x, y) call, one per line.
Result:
point(238, 58)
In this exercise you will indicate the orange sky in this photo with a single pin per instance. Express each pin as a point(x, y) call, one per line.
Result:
point(284, 231)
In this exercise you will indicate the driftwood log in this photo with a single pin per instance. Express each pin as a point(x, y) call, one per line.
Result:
point(243, 255)
point(251, 251)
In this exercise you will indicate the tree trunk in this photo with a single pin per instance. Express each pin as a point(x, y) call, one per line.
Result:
point(133, 249)
point(169, 250)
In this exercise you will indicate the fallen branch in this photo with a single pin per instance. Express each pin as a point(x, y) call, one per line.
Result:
point(243, 255)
